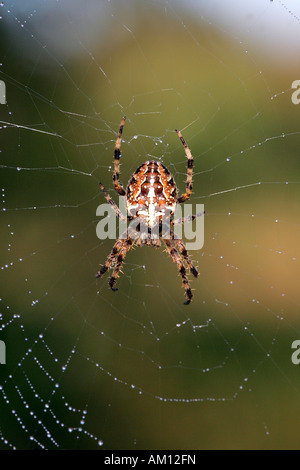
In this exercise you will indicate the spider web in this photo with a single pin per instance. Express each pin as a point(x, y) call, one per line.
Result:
point(88, 368)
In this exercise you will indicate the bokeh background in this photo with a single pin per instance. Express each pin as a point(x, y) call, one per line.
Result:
point(91, 369)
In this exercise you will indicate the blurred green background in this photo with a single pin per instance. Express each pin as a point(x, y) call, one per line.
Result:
point(88, 368)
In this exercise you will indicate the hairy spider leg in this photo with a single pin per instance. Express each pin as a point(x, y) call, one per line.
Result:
point(184, 197)
point(127, 245)
point(111, 257)
point(184, 253)
point(113, 204)
point(182, 271)
point(117, 155)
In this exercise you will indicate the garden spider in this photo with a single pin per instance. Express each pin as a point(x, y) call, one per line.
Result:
point(151, 195)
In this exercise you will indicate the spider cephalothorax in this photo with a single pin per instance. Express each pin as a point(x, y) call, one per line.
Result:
point(151, 196)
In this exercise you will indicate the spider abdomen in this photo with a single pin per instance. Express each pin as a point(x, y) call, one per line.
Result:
point(151, 191)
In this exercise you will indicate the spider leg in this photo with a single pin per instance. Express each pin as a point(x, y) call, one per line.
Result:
point(188, 192)
point(148, 241)
point(117, 155)
point(183, 251)
point(127, 245)
point(189, 218)
point(182, 271)
point(111, 257)
point(113, 204)
point(155, 242)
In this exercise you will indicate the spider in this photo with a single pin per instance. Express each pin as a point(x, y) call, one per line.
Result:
point(151, 194)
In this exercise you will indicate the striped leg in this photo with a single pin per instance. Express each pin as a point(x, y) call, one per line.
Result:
point(182, 271)
point(116, 248)
point(183, 251)
point(117, 155)
point(128, 244)
point(189, 178)
point(113, 204)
